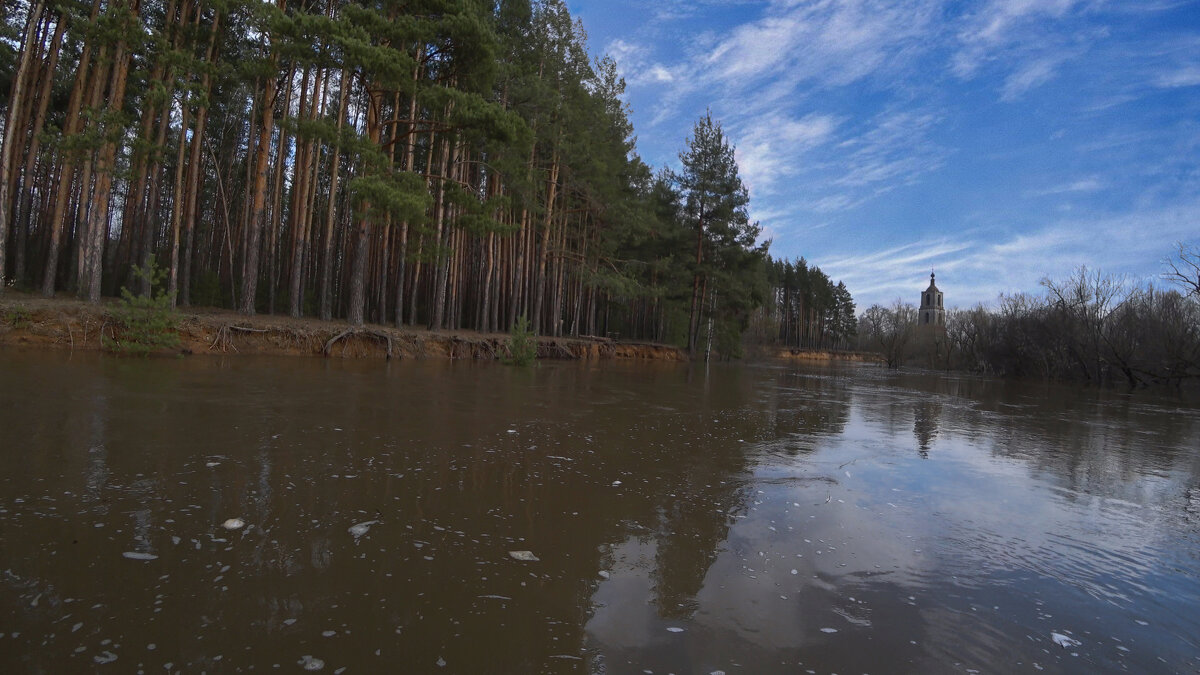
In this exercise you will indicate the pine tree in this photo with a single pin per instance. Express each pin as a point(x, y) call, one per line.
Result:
point(715, 202)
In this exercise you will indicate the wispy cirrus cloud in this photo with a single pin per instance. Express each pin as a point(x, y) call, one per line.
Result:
point(826, 43)
point(1090, 184)
point(1187, 76)
point(997, 26)
point(995, 140)
point(979, 266)
point(772, 149)
point(894, 150)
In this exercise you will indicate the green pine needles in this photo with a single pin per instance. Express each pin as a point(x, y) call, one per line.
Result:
point(18, 317)
point(148, 322)
point(522, 345)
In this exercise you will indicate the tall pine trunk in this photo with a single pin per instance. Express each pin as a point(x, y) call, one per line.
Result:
point(362, 234)
point(326, 292)
point(254, 227)
point(20, 91)
point(24, 214)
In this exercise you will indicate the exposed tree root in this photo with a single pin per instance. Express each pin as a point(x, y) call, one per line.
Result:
point(359, 331)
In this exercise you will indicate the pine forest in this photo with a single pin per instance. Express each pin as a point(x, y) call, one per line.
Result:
point(451, 164)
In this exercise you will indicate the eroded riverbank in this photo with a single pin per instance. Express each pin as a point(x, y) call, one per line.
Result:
point(61, 324)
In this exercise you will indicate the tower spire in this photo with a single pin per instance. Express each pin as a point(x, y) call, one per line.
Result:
point(932, 312)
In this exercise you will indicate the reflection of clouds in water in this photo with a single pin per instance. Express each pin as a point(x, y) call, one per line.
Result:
point(623, 614)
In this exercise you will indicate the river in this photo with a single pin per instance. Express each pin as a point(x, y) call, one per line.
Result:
point(247, 514)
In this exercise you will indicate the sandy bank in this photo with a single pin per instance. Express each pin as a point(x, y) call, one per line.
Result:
point(826, 355)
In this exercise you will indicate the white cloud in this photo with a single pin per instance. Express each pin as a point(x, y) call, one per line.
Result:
point(624, 51)
point(895, 150)
point(658, 73)
point(998, 24)
point(1184, 77)
point(1030, 75)
point(833, 103)
point(982, 265)
point(1091, 184)
point(771, 148)
point(831, 43)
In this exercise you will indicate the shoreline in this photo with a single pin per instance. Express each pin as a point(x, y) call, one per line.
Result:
point(32, 321)
point(827, 356)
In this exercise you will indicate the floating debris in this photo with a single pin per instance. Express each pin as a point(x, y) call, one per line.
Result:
point(138, 555)
point(361, 528)
point(523, 556)
point(441, 662)
point(310, 663)
point(604, 574)
point(234, 524)
point(104, 657)
point(828, 630)
point(674, 629)
point(1064, 641)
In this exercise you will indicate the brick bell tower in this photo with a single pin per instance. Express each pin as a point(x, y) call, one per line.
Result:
point(933, 311)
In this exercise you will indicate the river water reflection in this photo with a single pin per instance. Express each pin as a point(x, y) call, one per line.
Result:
point(754, 519)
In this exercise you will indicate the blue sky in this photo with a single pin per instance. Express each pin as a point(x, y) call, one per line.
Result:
point(994, 141)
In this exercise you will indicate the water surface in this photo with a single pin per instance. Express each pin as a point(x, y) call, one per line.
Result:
point(753, 519)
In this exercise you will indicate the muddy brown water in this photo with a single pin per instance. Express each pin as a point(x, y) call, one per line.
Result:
point(751, 519)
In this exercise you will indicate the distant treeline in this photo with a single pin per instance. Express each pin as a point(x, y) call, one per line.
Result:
point(448, 163)
point(805, 309)
point(1090, 327)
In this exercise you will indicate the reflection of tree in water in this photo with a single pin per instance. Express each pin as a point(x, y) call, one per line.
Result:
point(696, 512)
point(805, 408)
point(1089, 441)
point(925, 425)
point(691, 530)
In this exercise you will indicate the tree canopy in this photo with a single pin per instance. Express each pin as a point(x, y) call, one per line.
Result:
point(448, 163)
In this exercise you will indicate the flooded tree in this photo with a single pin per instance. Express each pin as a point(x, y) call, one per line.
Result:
point(888, 330)
point(1090, 327)
point(1184, 269)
